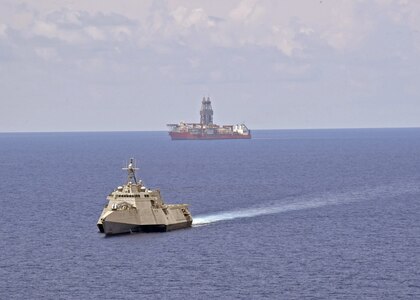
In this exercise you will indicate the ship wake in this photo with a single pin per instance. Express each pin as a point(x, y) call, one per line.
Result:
point(309, 202)
point(259, 211)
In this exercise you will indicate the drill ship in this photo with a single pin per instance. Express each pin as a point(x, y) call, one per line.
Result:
point(134, 208)
point(206, 130)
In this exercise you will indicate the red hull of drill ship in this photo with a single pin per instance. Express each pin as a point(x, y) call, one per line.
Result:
point(191, 136)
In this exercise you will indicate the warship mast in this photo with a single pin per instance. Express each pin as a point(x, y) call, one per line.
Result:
point(131, 170)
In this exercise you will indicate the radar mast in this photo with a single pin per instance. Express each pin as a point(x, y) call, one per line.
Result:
point(131, 171)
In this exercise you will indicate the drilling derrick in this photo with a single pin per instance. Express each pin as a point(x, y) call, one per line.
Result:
point(206, 112)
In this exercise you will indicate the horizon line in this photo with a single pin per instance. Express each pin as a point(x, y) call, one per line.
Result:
point(257, 129)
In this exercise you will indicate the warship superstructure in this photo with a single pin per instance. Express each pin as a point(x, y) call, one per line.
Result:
point(206, 130)
point(132, 207)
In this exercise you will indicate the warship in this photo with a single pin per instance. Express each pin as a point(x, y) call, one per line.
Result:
point(132, 207)
point(206, 129)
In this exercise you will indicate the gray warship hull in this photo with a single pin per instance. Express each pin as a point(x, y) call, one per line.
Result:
point(141, 216)
point(111, 228)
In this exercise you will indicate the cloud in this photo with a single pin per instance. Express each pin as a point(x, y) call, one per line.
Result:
point(49, 54)
point(3, 28)
point(191, 17)
point(95, 33)
point(66, 18)
point(22, 19)
point(341, 26)
point(247, 11)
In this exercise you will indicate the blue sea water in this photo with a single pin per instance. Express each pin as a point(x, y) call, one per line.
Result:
point(290, 214)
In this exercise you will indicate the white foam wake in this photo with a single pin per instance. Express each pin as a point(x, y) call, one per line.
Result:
point(307, 202)
point(258, 211)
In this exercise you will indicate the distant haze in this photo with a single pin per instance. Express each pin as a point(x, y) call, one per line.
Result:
point(86, 65)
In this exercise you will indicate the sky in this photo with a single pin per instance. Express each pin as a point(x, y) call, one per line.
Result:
point(132, 65)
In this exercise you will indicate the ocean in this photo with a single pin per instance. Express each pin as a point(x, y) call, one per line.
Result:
point(289, 214)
